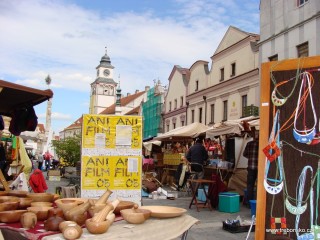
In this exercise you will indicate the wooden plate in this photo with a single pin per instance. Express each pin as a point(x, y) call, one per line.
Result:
point(164, 211)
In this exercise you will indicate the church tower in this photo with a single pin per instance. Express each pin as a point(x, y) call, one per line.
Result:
point(103, 89)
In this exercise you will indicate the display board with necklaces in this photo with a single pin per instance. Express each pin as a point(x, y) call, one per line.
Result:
point(291, 154)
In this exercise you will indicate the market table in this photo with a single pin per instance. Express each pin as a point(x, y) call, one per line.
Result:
point(153, 228)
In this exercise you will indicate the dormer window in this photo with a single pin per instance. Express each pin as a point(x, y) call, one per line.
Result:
point(197, 85)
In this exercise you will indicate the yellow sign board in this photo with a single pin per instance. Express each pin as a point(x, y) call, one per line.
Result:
point(108, 131)
point(112, 172)
point(111, 155)
point(172, 159)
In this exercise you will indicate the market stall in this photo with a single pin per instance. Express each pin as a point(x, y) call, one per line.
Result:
point(175, 143)
point(17, 103)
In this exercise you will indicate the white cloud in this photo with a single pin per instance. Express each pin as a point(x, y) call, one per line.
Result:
point(67, 41)
point(56, 116)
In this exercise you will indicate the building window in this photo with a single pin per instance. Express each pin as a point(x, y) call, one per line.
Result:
point(192, 116)
point(168, 128)
point(182, 123)
point(174, 125)
point(169, 106)
point(233, 69)
point(197, 85)
point(273, 58)
point(244, 101)
point(212, 113)
point(221, 74)
point(181, 101)
point(200, 115)
point(175, 103)
point(225, 110)
point(303, 50)
point(301, 2)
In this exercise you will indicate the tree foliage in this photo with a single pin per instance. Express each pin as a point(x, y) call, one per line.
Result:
point(69, 149)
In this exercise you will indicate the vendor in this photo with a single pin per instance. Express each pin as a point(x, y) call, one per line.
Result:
point(198, 157)
point(177, 148)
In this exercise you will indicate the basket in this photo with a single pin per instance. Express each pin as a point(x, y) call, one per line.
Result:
point(237, 229)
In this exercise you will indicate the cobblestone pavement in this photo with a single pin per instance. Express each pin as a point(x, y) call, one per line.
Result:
point(210, 222)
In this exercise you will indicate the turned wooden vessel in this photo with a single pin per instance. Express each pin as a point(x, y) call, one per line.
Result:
point(28, 220)
point(72, 231)
point(97, 227)
point(52, 223)
point(104, 197)
point(101, 216)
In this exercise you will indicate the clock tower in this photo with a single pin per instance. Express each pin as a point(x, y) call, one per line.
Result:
point(103, 89)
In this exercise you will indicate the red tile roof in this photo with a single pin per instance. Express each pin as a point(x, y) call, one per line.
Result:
point(123, 101)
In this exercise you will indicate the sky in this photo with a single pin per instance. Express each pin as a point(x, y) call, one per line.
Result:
point(145, 39)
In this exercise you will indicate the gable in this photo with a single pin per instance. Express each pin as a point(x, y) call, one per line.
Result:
point(232, 36)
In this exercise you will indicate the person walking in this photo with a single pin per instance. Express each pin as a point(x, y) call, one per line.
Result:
point(251, 153)
point(40, 161)
point(197, 156)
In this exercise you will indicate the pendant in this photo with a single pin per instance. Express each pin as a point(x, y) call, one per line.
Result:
point(304, 138)
point(295, 210)
point(272, 189)
point(278, 225)
point(272, 147)
point(275, 100)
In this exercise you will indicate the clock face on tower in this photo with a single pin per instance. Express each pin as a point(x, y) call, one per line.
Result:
point(106, 72)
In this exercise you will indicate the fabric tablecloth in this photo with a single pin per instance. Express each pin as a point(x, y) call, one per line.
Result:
point(153, 228)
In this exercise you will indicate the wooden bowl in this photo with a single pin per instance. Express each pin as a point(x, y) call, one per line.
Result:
point(8, 199)
point(41, 197)
point(41, 204)
point(3, 193)
point(41, 212)
point(123, 205)
point(25, 202)
point(56, 196)
point(97, 227)
point(17, 193)
point(66, 204)
point(135, 215)
point(8, 206)
point(11, 216)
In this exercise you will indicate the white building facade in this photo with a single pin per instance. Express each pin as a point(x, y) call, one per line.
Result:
point(288, 29)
